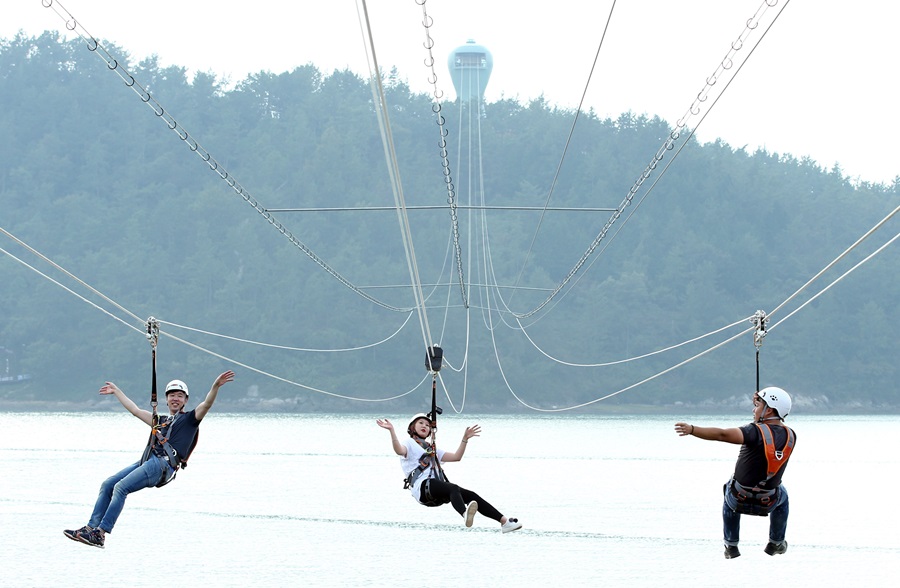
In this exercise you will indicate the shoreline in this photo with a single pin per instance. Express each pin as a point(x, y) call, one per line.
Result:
point(280, 406)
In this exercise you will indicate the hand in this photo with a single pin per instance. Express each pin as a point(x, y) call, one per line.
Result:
point(473, 431)
point(684, 429)
point(224, 378)
point(385, 424)
point(109, 388)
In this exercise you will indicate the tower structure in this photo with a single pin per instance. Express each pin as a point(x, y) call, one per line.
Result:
point(470, 69)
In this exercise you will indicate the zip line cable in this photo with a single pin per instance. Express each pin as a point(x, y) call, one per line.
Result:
point(828, 287)
point(96, 292)
point(69, 290)
point(729, 340)
point(58, 267)
point(868, 233)
point(142, 329)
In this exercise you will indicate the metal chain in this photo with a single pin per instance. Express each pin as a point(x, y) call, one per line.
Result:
point(427, 22)
point(668, 145)
point(113, 64)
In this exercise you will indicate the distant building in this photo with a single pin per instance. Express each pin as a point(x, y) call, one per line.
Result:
point(470, 69)
point(9, 373)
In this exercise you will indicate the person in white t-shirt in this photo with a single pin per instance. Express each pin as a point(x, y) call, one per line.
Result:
point(426, 480)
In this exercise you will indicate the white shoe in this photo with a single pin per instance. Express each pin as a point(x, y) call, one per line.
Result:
point(470, 513)
point(511, 525)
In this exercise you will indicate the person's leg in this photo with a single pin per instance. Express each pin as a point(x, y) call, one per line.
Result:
point(143, 476)
point(106, 490)
point(778, 517)
point(484, 507)
point(731, 525)
point(443, 492)
point(731, 519)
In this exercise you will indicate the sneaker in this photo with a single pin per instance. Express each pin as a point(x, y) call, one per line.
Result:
point(93, 537)
point(731, 552)
point(776, 548)
point(511, 525)
point(73, 535)
point(470, 513)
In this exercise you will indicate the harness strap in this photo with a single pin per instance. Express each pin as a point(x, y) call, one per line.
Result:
point(752, 501)
point(775, 458)
point(160, 446)
point(429, 459)
point(755, 494)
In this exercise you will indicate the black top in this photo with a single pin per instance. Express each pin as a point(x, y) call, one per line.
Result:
point(182, 432)
point(751, 467)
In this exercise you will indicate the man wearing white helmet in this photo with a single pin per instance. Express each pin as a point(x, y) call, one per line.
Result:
point(756, 488)
point(425, 478)
point(158, 465)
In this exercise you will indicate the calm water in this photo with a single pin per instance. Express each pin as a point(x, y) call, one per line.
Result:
point(317, 500)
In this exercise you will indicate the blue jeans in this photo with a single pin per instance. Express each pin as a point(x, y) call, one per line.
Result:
point(116, 489)
point(778, 517)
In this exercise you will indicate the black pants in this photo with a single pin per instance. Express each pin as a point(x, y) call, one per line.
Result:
point(443, 492)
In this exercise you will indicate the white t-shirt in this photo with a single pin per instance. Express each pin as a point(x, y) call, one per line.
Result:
point(414, 453)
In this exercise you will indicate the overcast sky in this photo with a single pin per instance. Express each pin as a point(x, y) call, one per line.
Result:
point(821, 82)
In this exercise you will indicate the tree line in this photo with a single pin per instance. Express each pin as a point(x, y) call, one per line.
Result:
point(91, 179)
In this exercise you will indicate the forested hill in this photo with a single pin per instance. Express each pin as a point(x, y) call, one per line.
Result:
point(94, 181)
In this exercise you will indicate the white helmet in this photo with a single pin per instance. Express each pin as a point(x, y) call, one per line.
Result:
point(777, 399)
point(177, 386)
point(421, 415)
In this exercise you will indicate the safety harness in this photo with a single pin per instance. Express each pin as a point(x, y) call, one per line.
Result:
point(759, 500)
point(428, 460)
point(158, 444)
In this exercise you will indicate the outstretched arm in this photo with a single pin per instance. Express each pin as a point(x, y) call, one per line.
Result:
point(399, 448)
point(128, 403)
point(207, 403)
point(473, 431)
point(732, 435)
